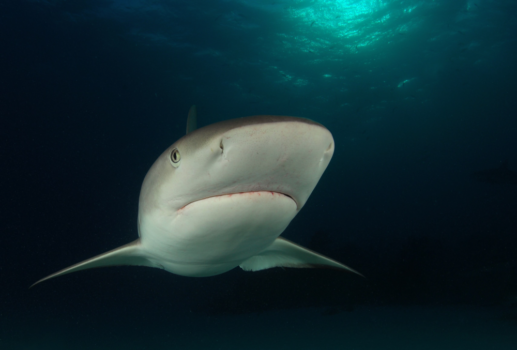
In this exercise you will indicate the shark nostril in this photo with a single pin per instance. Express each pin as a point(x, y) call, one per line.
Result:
point(329, 147)
point(221, 145)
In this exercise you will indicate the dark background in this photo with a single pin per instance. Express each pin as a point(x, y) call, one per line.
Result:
point(419, 97)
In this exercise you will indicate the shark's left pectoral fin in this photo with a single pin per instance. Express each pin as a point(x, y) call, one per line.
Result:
point(128, 254)
point(283, 253)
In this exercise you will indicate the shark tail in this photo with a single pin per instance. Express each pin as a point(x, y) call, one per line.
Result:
point(128, 254)
point(284, 253)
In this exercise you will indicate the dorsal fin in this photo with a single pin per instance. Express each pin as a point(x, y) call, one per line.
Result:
point(192, 119)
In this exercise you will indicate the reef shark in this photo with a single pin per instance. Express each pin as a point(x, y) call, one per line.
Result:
point(499, 175)
point(221, 195)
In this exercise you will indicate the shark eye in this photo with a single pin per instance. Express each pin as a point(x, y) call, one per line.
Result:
point(175, 157)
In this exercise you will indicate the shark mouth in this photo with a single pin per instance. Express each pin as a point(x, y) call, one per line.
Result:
point(250, 195)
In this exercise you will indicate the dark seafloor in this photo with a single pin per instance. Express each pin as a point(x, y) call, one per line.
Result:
point(420, 197)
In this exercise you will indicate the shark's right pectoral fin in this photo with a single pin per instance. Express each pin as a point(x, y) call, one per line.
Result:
point(129, 254)
point(283, 253)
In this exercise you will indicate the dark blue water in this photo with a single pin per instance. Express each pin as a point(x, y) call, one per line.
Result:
point(420, 196)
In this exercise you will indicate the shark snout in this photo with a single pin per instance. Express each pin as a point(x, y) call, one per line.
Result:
point(273, 157)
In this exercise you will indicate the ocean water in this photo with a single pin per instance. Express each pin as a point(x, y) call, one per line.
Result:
point(386, 327)
point(420, 195)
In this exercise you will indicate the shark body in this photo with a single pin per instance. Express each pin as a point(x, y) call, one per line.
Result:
point(220, 197)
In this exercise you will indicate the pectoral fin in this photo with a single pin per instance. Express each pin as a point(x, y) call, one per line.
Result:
point(283, 253)
point(129, 254)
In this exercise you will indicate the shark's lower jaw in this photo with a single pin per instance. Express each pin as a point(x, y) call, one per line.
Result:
point(211, 236)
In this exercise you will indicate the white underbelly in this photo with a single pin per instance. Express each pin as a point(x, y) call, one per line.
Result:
point(214, 235)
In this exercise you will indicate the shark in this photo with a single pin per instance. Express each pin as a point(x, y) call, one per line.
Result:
point(221, 196)
point(500, 175)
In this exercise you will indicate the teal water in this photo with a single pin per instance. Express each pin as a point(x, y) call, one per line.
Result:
point(420, 195)
point(382, 327)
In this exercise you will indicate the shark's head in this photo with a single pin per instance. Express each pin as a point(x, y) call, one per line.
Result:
point(263, 153)
point(222, 175)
